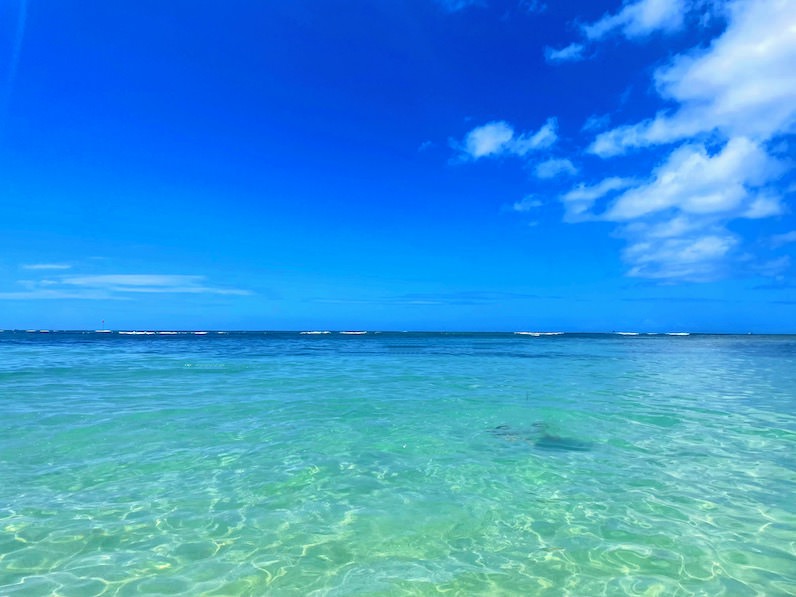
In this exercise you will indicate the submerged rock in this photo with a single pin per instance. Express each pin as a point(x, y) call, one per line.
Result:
point(540, 438)
point(565, 444)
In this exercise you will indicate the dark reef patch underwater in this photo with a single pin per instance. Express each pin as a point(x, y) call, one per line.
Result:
point(540, 437)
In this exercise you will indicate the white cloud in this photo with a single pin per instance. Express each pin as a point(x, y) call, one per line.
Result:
point(498, 138)
point(582, 192)
point(636, 20)
point(571, 53)
point(150, 283)
point(133, 281)
point(779, 240)
point(543, 138)
point(579, 201)
point(555, 167)
point(457, 5)
point(693, 182)
point(764, 206)
point(595, 122)
point(51, 294)
point(115, 286)
point(747, 72)
point(744, 84)
point(528, 203)
point(489, 139)
point(677, 226)
point(641, 18)
point(46, 266)
point(676, 221)
point(730, 107)
point(739, 91)
point(695, 258)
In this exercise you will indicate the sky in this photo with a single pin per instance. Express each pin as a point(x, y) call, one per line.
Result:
point(473, 165)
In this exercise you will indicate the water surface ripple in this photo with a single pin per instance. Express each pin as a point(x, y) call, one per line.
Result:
point(397, 464)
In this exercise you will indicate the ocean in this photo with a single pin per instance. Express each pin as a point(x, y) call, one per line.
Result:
point(275, 463)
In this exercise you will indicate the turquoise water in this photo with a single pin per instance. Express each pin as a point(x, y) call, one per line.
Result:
point(397, 464)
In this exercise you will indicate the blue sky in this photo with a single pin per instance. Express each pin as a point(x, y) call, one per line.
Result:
point(428, 164)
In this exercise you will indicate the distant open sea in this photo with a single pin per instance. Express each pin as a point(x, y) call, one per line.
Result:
point(397, 464)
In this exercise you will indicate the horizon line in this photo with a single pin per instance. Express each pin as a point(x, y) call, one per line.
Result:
point(355, 332)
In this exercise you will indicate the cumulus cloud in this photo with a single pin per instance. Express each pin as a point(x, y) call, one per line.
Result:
point(635, 20)
point(489, 139)
point(578, 201)
point(738, 93)
point(571, 53)
point(543, 138)
point(639, 19)
point(499, 138)
point(555, 167)
point(527, 204)
point(720, 141)
point(744, 84)
point(693, 182)
point(675, 222)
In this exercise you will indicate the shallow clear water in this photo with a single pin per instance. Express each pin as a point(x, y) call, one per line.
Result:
point(397, 464)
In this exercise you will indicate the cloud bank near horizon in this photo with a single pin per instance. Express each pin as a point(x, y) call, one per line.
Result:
point(113, 286)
